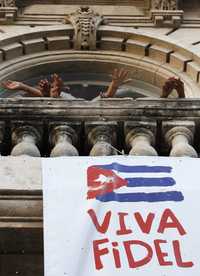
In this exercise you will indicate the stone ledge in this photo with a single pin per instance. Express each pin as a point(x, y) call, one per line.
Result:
point(58, 43)
point(12, 51)
point(136, 47)
point(179, 61)
point(33, 45)
point(111, 43)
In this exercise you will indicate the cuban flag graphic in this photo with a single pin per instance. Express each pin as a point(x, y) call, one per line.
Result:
point(121, 183)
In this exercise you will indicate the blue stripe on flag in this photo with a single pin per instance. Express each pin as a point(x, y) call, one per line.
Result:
point(136, 169)
point(142, 197)
point(150, 182)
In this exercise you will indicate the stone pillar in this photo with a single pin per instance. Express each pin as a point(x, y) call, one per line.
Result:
point(179, 137)
point(140, 138)
point(25, 140)
point(63, 138)
point(102, 138)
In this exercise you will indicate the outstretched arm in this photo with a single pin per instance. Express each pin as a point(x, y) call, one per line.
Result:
point(15, 85)
point(119, 77)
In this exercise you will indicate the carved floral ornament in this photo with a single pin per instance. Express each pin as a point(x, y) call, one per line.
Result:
point(164, 4)
point(7, 3)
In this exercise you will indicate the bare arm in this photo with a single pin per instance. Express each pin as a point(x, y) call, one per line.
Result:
point(14, 85)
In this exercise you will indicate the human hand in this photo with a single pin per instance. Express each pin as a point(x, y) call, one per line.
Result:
point(12, 85)
point(44, 86)
point(120, 77)
point(56, 86)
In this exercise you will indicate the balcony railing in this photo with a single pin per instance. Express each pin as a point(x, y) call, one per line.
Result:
point(57, 127)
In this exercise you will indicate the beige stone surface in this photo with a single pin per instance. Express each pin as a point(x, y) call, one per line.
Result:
point(20, 173)
point(33, 45)
point(12, 51)
point(159, 53)
point(193, 70)
point(136, 47)
point(67, 9)
point(186, 35)
point(111, 43)
point(58, 43)
point(178, 61)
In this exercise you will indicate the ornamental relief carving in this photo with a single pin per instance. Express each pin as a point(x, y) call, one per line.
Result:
point(164, 4)
point(7, 3)
point(85, 22)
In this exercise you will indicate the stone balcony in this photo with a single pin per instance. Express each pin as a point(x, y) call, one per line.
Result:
point(57, 127)
point(36, 127)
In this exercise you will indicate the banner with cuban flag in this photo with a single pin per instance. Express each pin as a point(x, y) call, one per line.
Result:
point(121, 215)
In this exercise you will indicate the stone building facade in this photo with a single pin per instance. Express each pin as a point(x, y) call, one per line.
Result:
point(84, 41)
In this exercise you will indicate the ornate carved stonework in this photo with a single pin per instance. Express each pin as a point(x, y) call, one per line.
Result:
point(165, 13)
point(85, 22)
point(7, 3)
point(8, 10)
point(164, 5)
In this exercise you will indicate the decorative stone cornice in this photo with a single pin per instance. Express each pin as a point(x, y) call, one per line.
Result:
point(85, 22)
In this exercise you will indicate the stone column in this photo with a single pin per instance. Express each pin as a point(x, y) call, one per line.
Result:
point(140, 138)
point(102, 138)
point(63, 138)
point(25, 140)
point(179, 137)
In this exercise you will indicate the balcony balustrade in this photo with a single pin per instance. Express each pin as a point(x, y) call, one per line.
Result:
point(34, 127)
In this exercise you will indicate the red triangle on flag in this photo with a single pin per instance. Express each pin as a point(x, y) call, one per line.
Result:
point(102, 181)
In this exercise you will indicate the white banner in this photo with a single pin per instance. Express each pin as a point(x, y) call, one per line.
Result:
point(121, 216)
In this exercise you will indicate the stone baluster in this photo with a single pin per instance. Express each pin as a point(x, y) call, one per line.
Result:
point(63, 138)
point(25, 140)
point(179, 138)
point(140, 138)
point(101, 139)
